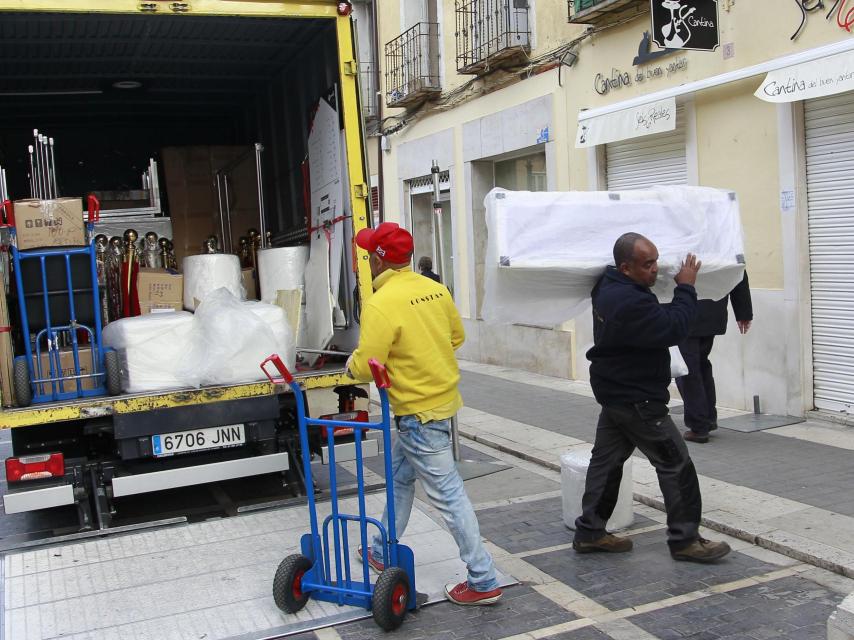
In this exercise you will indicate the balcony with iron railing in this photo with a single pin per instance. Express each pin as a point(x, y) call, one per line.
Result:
point(412, 66)
point(491, 33)
point(601, 12)
point(368, 84)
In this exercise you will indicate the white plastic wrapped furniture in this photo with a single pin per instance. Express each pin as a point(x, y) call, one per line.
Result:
point(573, 474)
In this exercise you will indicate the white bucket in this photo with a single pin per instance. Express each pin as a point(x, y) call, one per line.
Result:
point(573, 476)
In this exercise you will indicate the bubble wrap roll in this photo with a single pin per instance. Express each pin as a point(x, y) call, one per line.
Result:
point(281, 268)
point(208, 272)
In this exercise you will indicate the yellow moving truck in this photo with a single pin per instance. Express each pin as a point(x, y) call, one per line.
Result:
point(132, 76)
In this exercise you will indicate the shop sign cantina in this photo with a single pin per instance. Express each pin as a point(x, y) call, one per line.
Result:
point(604, 84)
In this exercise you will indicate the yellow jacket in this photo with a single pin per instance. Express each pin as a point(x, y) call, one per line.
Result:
point(412, 326)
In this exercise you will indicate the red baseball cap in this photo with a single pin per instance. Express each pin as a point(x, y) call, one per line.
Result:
point(390, 242)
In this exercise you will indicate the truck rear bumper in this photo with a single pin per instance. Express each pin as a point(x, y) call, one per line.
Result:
point(187, 476)
point(44, 498)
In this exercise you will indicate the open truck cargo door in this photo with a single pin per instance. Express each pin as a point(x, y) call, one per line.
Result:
point(191, 84)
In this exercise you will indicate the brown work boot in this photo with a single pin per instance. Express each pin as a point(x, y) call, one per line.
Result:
point(702, 550)
point(692, 436)
point(609, 543)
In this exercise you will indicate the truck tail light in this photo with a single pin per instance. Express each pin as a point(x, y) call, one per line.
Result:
point(350, 416)
point(48, 465)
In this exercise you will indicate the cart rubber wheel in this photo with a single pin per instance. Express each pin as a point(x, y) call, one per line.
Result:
point(23, 388)
point(391, 598)
point(113, 372)
point(287, 588)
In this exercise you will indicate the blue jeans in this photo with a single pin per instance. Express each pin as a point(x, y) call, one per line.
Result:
point(423, 451)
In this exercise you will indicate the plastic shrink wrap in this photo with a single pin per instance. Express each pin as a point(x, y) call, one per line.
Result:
point(545, 251)
point(208, 272)
point(231, 338)
point(149, 349)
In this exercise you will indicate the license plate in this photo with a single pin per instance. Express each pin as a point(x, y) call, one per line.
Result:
point(167, 444)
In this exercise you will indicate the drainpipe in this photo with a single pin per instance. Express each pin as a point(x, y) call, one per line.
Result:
point(378, 96)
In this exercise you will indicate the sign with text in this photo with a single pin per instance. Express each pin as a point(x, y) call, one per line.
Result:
point(646, 119)
point(814, 79)
point(685, 24)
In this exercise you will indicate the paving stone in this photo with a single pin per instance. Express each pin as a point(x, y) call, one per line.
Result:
point(790, 608)
point(528, 526)
point(585, 633)
point(520, 610)
point(646, 574)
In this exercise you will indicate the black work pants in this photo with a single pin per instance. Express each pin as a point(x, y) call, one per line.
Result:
point(648, 427)
point(698, 387)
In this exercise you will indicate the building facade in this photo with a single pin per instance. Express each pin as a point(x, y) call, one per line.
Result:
point(536, 102)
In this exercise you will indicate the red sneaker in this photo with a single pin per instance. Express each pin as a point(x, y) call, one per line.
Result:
point(373, 563)
point(466, 596)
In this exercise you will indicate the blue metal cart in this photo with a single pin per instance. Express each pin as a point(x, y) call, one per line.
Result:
point(310, 574)
point(59, 299)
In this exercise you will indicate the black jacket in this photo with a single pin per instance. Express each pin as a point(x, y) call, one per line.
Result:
point(428, 273)
point(712, 314)
point(632, 330)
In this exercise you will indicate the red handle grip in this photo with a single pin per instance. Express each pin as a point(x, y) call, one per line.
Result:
point(380, 374)
point(276, 361)
point(8, 213)
point(94, 209)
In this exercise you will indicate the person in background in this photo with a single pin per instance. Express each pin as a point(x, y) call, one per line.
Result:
point(425, 266)
point(412, 326)
point(630, 376)
point(698, 387)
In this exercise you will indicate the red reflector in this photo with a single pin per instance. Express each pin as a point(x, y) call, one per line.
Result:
point(48, 465)
point(344, 9)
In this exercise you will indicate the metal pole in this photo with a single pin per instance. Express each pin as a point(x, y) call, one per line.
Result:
point(438, 247)
point(227, 212)
point(32, 175)
point(43, 168)
point(221, 214)
point(263, 223)
point(37, 175)
point(53, 169)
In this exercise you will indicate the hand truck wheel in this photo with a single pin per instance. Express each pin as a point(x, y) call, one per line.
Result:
point(113, 372)
point(21, 383)
point(390, 599)
point(287, 585)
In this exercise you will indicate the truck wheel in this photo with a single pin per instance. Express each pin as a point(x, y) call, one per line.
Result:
point(113, 372)
point(391, 597)
point(287, 585)
point(23, 388)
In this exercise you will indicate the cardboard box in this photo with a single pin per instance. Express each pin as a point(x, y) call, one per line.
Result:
point(248, 276)
point(159, 285)
point(159, 307)
point(66, 363)
point(49, 223)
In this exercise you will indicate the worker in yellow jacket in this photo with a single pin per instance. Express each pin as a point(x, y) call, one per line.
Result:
point(412, 326)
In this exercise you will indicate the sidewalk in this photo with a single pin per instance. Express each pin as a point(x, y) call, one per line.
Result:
point(786, 489)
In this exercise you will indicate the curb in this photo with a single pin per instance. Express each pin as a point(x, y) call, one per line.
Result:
point(800, 549)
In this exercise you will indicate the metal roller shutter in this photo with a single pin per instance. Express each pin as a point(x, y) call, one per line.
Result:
point(641, 162)
point(829, 126)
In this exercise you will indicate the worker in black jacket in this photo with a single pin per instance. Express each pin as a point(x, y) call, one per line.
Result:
point(630, 374)
point(698, 387)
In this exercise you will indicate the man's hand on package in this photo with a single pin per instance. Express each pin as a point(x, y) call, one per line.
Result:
point(688, 273)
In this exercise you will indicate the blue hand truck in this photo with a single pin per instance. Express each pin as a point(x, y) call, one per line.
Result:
point(61, 289)
point(310, 573)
